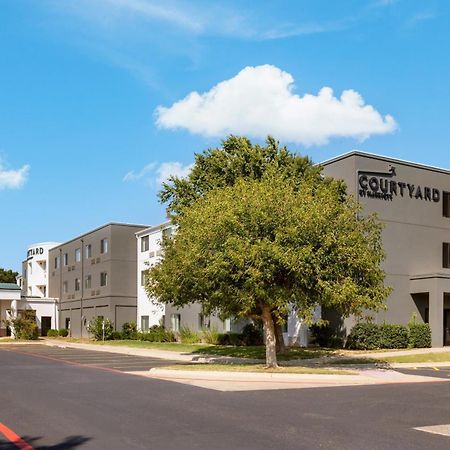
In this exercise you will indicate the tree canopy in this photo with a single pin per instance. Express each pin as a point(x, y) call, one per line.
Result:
point(261, 244)
point(8, 276)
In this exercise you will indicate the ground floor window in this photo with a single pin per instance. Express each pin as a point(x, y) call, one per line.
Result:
point(175, 321)
point(203, 321)
point(144, 323)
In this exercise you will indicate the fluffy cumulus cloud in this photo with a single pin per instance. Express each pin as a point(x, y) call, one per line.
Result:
point(13, 179)
point(158, 172)
point(260, 100)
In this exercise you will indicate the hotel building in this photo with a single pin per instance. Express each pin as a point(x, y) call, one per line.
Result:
point(413, 203)
point(95, 275)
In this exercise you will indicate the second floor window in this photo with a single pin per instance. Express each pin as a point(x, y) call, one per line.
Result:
point(77, 284)
point(104, 246)
point(144, 244)
point(446, 255)
point(88, 250)
point(103, 279)
point(87, 281)
point(77, 255)
point(57, 262)
point(65, 287)
point(66, 259)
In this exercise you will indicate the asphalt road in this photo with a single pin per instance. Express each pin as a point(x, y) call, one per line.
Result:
point(55, 404)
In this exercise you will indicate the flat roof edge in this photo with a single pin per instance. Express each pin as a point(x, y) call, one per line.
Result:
point(383, 158)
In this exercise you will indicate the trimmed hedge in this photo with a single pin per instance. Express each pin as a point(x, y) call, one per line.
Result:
point(371, 336)
point(419, 335)
point(63, 332)
point(52, 333)
point(326, 336)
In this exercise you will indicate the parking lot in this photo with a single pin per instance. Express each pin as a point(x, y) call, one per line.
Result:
point(90, 358)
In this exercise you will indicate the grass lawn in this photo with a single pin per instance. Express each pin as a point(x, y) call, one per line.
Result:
point(256, 368)
point(252, 352)
point(419, 358)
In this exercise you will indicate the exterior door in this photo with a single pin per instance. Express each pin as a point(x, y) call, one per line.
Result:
point(446, 326)
point(46, 324)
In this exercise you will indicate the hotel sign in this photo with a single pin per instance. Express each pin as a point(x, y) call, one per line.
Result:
point(34, 251)
point(384, 186)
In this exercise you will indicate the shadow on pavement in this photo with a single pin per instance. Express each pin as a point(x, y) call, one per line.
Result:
point(68, 443)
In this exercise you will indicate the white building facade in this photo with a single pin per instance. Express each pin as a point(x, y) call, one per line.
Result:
point(149, 313)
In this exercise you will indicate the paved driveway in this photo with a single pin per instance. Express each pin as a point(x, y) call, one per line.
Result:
point(103, 360)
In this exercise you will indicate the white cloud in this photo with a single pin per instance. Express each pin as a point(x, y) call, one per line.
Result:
point(176, 169)
point(134, 176)
point(260, 100)
point(159, 172)
point(13, 179)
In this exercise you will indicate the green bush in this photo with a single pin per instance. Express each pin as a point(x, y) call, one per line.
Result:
point(188, 336)
point(63, 332)
point(252, 334)
point(419, 335)
point(25, 327)
point(117, 336)
point(129, 330)
point(325, 336)
point(52, 333)
point(211, 335)
point(157, 333)
point(364, 336)
point(393, 336)
point(229, 339)
point(95, 328)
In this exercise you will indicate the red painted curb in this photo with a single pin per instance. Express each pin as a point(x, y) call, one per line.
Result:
point(14, 438)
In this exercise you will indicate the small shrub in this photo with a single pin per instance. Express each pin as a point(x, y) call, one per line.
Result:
point(25, 327)
point(157, 333)
point(63, 332)
point(129, 330)
point(252, 335)
point(364, 336)
point(52, 333)
point(419, 335)
point(188, 336)
point(325, 336)
point(230, 339)
point(211, 335)
point(95, 328)
point(116, 336)
point(393, 336)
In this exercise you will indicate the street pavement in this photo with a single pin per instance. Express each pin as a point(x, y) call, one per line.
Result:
point(55, 402)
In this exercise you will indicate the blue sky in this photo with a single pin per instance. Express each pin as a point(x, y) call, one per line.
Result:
point(101, 99)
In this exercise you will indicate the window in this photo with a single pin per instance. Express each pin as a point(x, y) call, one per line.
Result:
point(167, 232)
point(103, 279)
point(104, 246)
point(65, 287)
point(175, 320)
point(77, 255)
point(77, 284)
point(87, 281)
point(30, 269)
point(203, 321)
point(144, 244)
point(227, 325)
point(57, 261)
point(66, 259)
point(144, 323)
point(67, 323)
point(88, 250)
point(144, 275)
point(446, 204)
point(446, 255)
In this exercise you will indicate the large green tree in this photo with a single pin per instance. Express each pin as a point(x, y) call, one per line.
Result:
point(261, 246)
point(236, 159)
point(7, 276)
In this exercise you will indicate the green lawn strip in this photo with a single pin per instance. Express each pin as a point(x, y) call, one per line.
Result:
point(419, 358)
point(349, 361)
point(256, 368)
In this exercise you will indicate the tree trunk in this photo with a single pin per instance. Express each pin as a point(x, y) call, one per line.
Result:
point(271, 340)
point(280, 341)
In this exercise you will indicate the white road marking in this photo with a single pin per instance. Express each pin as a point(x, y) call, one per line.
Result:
point(443, 430)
